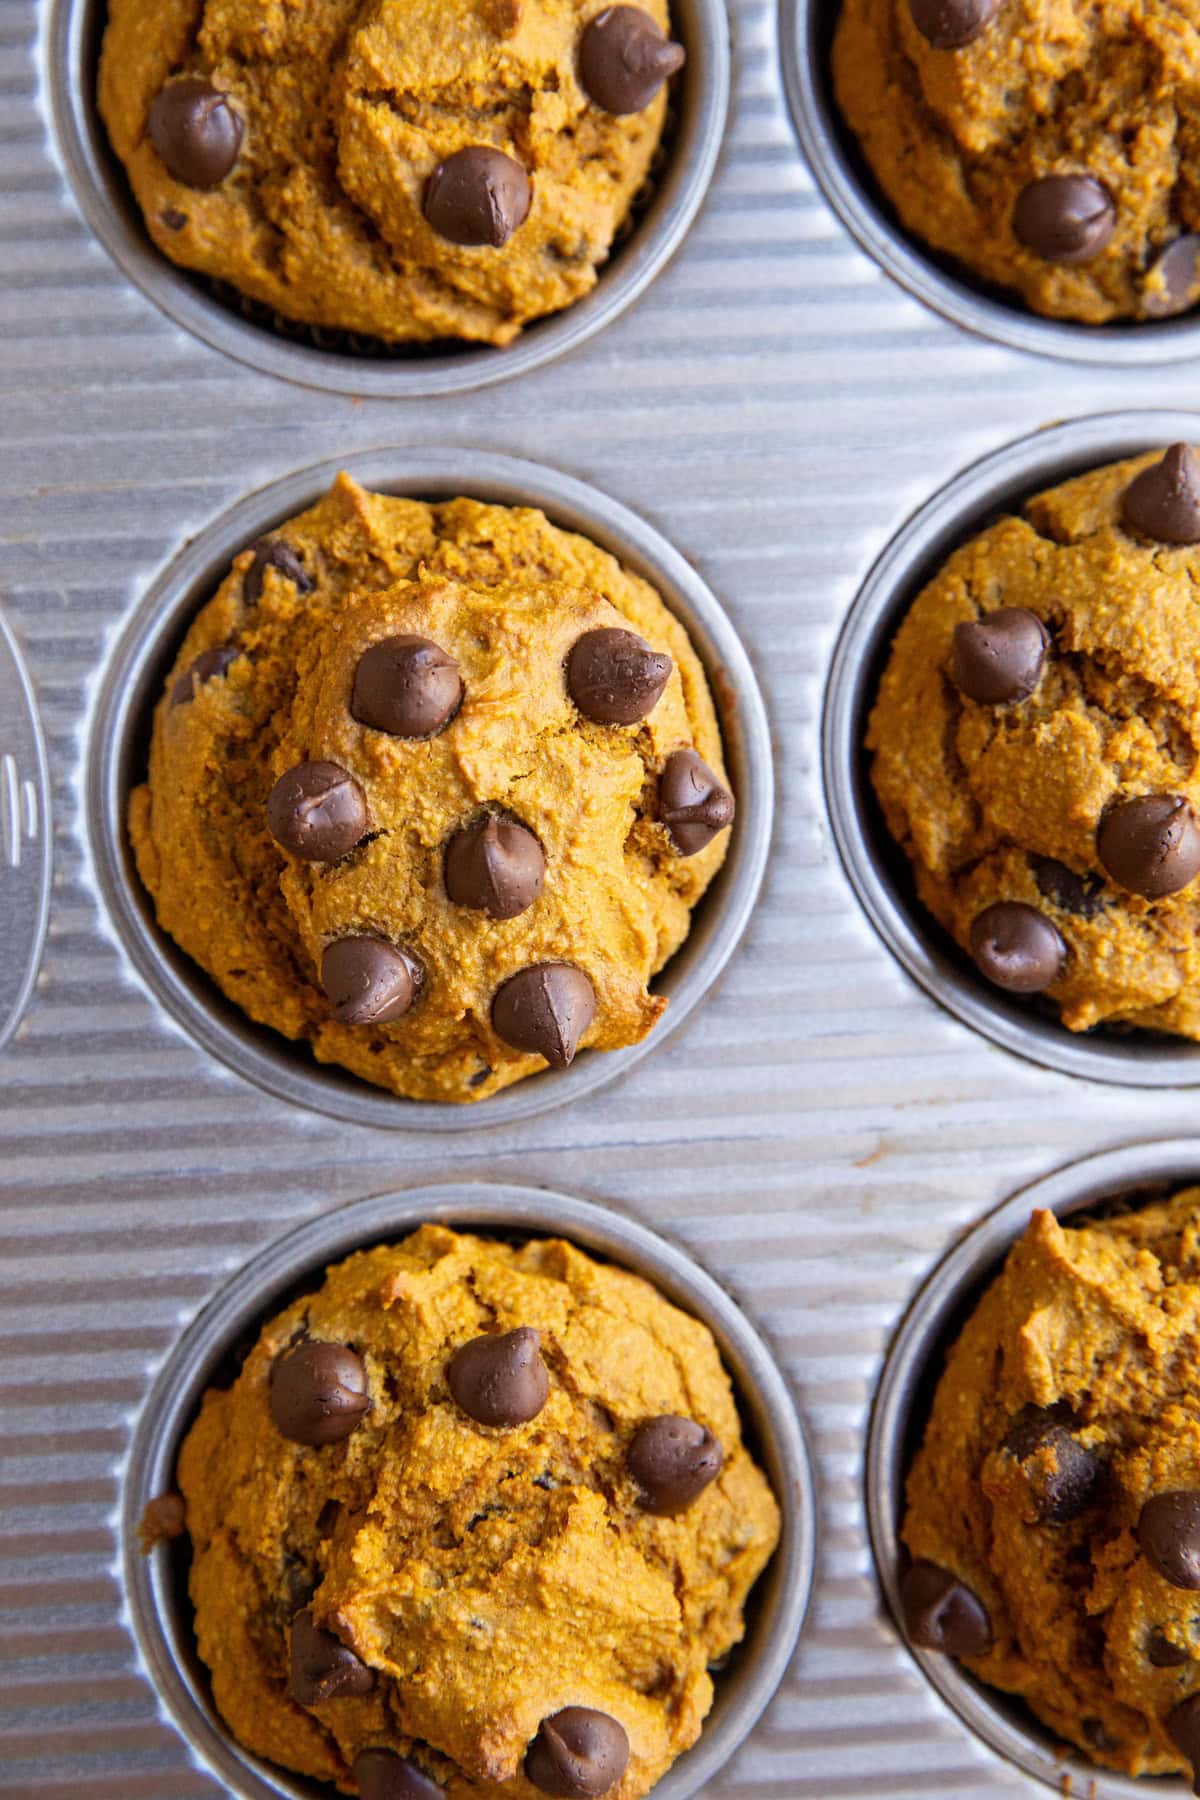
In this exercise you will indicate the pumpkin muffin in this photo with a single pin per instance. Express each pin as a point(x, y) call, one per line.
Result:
point(434, 788)
point(473, 1521)
point(406, 169)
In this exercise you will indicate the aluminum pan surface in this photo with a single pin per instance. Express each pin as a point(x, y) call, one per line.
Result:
point(818, 1130)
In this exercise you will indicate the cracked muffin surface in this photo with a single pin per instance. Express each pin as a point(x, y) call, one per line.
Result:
point(1053, 1511)
point(1050, 146)
point(424, 1586)
point(1034, 746)
point(491, 875)
point(404, 169)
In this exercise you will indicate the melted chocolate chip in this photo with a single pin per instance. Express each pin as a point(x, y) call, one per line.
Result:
point(1168, 1535)
point(692, 803)
point(1081, 895)
point(274, 553)
point(1163, 502)
point(578, 1754)
point(317, 811)
point(941, 1612)
point(494, 866)
point(673, 1460)
point(322, 1667)
point(318, 1393)
point(368, 981)
point(477, 197)
point(1161, 1653)
point(544, 1011)
point(207, 666)
point(196, 132)
point(1064, 1478)
point(1064, 218)
point(1183, 1729)
point(1016, 947)
point(949, 24)
point(1150, 845)
point(500, 1380)
point(614, 677)
point(382, 1775)
point(1172, 284)
point(624, 59)
point(407, 686)
point(999, 659)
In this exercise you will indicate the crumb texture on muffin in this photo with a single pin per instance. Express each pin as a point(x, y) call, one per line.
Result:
point(1050, 147)
point(458, 1583)
point(308, 182)
point(1034, 745)
point(1064, 1436)
point(570, 871)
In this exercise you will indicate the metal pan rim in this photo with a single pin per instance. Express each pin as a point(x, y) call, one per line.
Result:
point(1005, 476)
point(112, 215)
point(761, 1387)
point(1107, 1175)
point(194, 1002)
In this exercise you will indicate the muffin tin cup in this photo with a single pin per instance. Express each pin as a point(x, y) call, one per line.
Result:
point(878, 870)
point(132, 683)
point(154, 1584)
point(806, 32)
point(905, 1392)
point(74, 33)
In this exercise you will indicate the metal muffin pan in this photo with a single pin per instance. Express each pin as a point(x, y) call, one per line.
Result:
point(806, 30)
point(75, 32)
point(132, 685)
point(156, 1585)
point(910, 1374)
point(877, 868)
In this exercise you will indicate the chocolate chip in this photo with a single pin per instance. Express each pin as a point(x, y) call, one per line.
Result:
point(692, 804)
point(406, 686)
point(1150, 845)
point(1064, 218)
point(614, 677)
point(1172, 284)
point(949, 24)
point(624, 59)
point(500, 1380)
point(381, 1775)
point(1163, 502)
point(545, 1010)
point(1075, 1477)
point(1081, 895)
point(195, 131)
point(317, 811)
point(495, 866)
point(673, 1460)
point(578, 1754)
point(368, 981)
point(999, 659)
point(477, 196)
point(207, 665)
point(1093, 1730)
point(1183, 1729)
point(318, 1393)
point(1161, 1653)
point(322, 1667)
point(1168, 1535)
point(940, 1613)
point(274, 553)
point(174, 221)
point(1016, 947)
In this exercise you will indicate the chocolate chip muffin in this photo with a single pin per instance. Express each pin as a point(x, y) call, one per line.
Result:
point(1050, 146)
point(434, 789)
point(473, 1520)
point(1054, 1507)
point(404, 171)
point(1035, 746)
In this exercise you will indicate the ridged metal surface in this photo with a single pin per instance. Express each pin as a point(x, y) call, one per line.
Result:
point(816, 1133)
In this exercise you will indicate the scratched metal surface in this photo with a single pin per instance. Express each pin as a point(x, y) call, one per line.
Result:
point(816, 1133)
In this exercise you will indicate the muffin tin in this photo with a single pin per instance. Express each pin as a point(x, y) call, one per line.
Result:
point(815, 1135)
